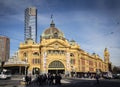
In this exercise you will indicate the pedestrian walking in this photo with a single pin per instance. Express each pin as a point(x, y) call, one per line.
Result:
point(52, 78)
point(58, 79)
point(97, 79)
point(49, 79)
point(26, 80)
point(98, 73)
point(29, 78)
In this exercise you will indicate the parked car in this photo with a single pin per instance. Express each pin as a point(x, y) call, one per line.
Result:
point(5, 74)
point(108, 75)
point(116, 76)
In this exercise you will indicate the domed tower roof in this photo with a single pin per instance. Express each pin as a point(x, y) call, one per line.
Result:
point(52, 32)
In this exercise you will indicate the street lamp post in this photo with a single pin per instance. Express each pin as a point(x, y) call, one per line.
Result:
point(1, 64)
point(72, 70)
point(26, 66)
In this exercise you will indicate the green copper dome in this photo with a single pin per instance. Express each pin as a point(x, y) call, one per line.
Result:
point(52, 32)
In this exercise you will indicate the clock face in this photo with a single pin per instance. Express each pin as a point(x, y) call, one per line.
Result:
point(56, 46)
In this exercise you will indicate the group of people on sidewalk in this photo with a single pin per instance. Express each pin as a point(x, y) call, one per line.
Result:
point(44, 79)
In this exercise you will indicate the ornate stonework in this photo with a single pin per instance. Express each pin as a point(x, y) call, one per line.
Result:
point(55, 53)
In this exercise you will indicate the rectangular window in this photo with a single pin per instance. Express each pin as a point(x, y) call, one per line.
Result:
point(83, 62)
point(79, 62)
point(99, 65)
point(83, 69)
point(72, 61)
point(91, 69)
point(35, 61)
point(90, 63)
point(32, 61)
point(96, 64)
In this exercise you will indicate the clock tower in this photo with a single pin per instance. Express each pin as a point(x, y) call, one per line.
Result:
point(106, 56)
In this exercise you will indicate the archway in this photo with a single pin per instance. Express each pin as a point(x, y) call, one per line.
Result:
point(56, 67)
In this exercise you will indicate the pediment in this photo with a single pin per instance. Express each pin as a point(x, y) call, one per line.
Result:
point(58, 44)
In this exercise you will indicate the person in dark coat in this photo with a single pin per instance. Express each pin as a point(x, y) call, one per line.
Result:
point(27, 80)
point(58, 79)
point(49, 79)
point(52, 78)
point(30, 78)
point(97, 79)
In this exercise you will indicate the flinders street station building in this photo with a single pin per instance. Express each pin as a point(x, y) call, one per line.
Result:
point(56, 54)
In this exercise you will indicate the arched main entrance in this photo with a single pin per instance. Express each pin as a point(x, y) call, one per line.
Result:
point(56, 67)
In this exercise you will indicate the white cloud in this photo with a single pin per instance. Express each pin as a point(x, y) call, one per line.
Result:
point(96, 31)
point(92, 30)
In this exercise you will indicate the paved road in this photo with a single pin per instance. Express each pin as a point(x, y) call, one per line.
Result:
point(8, 83)
point(13, 82)
point(66, 82)
point(93, 83)
point(84, 83)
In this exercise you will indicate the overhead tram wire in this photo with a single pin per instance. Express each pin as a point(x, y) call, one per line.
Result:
point(51, 10)
point(12, 49)
point(115, 47)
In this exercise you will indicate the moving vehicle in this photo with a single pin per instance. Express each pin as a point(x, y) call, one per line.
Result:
point(108, 75)
point(116, 76)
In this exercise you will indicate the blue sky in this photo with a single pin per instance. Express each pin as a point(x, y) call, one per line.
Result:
point(93, 24)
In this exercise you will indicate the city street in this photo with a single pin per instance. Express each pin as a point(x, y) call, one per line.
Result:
point(60, 43)
point(93, 83)
point(9, 83)
point(66, 82)
point(13, 82)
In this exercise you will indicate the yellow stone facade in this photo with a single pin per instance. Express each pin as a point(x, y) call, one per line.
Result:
point(54, 53)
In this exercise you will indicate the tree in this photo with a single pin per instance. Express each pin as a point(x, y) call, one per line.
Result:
point(116, 69)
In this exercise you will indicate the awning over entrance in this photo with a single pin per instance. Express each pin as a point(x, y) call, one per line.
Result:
point(16, 66)
point(15, 62)
point(11, 65)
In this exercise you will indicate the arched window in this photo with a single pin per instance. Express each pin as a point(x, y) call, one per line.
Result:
point(56, 35)
point(36, 53)
point(25, 54)
point(56, 64)
point(71, 55)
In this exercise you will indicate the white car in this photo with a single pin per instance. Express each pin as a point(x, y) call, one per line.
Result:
point(4, 76)
point(108, 75)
